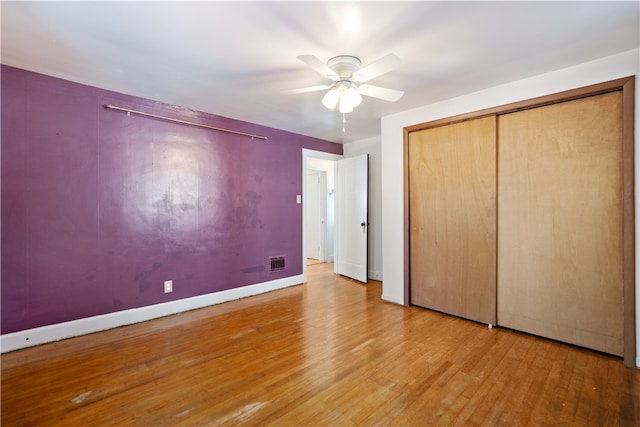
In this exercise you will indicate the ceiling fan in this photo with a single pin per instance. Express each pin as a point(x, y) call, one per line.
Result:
point(348, 76)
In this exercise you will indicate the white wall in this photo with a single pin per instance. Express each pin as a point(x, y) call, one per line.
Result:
point(372, 147)
point(601, 70)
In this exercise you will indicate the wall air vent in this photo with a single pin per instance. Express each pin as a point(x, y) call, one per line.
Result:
point(277, 263)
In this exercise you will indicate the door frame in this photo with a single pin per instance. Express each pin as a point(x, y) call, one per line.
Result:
point(627, 86)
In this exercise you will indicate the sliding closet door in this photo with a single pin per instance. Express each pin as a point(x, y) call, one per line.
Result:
point(560, 213)
point(452, 184)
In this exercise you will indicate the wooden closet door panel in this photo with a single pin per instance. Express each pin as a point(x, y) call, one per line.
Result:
point(452, 185)
point(560, 212)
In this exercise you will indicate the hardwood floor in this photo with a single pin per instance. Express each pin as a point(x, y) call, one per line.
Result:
point(328, 352)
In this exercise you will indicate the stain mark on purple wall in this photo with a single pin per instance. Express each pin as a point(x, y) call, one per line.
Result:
point(255, 269)
point(143, 276)
point(247, 214)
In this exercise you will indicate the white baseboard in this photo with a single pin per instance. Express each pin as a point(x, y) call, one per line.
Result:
point(374, 275)
point(74, 328)
point(394, 300)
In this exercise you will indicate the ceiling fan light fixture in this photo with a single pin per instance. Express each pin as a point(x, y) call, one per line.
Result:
point(343, 95)
point(352, 96)
point(331, 98)
point(345, 105)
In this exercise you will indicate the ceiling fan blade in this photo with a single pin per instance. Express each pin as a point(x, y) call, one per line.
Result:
point(319, 66)
point(377, 68)
point(305, 89)
point(391, 95)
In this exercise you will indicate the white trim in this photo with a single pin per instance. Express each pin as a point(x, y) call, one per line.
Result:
point(375, 275)
point(392, 299)
point(88, 325)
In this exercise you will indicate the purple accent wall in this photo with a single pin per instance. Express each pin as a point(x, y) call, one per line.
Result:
point(99, 208)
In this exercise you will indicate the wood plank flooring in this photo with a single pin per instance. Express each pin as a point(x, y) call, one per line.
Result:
point(328, 352)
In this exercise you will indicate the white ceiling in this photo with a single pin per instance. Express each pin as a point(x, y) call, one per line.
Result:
point(233, 58)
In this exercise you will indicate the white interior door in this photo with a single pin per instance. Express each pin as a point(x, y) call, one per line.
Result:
point(352, 217)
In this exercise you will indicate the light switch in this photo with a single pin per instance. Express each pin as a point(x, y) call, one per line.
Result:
point(298, 198)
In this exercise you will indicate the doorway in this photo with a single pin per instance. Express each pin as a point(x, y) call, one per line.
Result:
point(318, 161)
point(315, 213)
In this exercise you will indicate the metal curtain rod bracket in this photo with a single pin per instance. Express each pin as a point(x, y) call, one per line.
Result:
point(184, 122)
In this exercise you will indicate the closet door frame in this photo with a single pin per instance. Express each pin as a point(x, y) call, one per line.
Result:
point(627, 86)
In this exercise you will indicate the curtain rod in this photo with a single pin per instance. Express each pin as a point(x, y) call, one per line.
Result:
point(184, 122)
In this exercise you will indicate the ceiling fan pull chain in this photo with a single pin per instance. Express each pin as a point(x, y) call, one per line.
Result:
point(344, 122)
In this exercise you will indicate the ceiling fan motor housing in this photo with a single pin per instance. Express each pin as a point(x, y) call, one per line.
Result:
point(345, 66)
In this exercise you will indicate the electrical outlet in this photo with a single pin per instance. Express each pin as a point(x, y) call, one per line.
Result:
point(168, 286)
